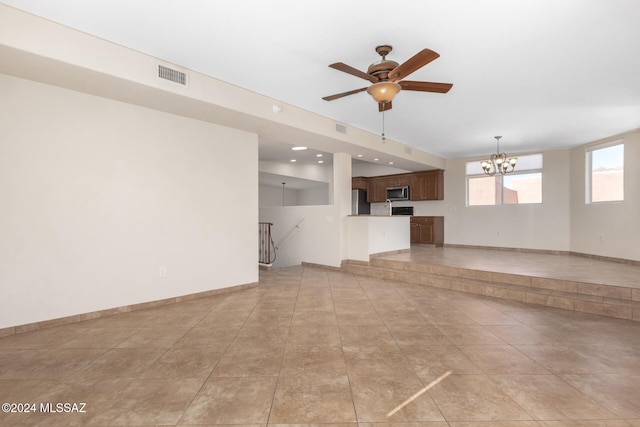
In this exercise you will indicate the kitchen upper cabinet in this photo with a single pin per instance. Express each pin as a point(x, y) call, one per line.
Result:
point(427, 229)
point(376, 189)
point(427, 185)
point(398, 180)
point(359, 183)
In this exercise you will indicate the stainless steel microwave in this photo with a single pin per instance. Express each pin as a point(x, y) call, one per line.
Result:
point(398, 193)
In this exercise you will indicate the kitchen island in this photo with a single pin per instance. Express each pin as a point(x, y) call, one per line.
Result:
point(372, 234)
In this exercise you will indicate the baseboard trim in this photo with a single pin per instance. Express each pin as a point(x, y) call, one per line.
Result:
point(12, 330)
point(502, 248)
point(397, 251)
point(354, 262)
point(606, 258)
point(314, 265)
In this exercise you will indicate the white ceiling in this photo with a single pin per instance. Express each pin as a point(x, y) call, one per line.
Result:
point(544, 74)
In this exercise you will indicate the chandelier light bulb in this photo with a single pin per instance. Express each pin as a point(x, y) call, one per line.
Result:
point(498, 162)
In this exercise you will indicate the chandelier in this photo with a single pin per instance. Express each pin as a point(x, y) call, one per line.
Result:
point(498, 163)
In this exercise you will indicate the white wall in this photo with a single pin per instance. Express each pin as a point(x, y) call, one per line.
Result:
point(310, 172)
point(361, 168)
point(314, 234)
point(341, 196)
point(272, 196)
point(317, 194)
point(607, 229)
point(97, 195)
point(314, 196)
point(368, 234)
point(316, 240)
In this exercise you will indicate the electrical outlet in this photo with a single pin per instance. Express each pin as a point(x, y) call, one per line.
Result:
point(162, 272)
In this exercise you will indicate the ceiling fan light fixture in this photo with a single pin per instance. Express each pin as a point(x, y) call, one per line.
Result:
point(384, 91)
point(387, 77)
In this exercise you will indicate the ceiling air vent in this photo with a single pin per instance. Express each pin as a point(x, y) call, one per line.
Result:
point(172, 75)
point(341, 128)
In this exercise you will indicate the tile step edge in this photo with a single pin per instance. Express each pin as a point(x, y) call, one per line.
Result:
point(611, 307)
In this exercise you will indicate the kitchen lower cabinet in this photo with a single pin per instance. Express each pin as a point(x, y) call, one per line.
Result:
point(427, 229)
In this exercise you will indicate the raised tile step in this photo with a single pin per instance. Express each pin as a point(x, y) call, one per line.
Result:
point(598, 290)
point(576, 296)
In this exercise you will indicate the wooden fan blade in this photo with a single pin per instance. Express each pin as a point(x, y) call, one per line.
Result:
point(353, 71)
point(340, 95)
point(418, 60)
point(384, 106)
point(426, 86)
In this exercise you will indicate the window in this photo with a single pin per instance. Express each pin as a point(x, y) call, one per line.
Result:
point(522, 188)
point(605, 172)
point(524, 185)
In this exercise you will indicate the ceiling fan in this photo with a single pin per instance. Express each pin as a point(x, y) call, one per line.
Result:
point(387, 75)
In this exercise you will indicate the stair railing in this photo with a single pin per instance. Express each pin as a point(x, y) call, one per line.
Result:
point(296, 227)
point(266, 247)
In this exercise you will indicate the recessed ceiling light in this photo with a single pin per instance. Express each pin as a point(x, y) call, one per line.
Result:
point(359, 155)
point(298, 148)
point(318, 155)
point(293, 160)
point(375, 160)
point(390, 163)
point(320, 161)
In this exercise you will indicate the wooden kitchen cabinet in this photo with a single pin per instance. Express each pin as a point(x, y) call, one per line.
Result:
point(427, 185)
point(359, 183)
point(398, 180)
point(378, 186)
point(427, 229)
point(414, 234)
point(377, 189)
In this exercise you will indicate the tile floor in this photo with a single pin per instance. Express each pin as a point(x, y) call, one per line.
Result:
point(537, 264)
point(313, 347)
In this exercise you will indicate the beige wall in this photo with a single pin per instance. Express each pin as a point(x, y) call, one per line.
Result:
point(305, 234)
point(607, 229)
point(563, 222)
point(543, 226)
point(98, 195)
point(272, 196)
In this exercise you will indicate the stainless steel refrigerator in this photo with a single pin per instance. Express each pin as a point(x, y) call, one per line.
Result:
point(359, 205)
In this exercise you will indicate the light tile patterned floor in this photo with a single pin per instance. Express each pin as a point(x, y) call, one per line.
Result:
point(537, 264)
point(316, 347)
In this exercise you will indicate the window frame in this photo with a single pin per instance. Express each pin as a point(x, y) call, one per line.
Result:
point(500, 182)
point(589, 149)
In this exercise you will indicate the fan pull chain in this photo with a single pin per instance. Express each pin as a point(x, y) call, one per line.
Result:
point(383, 138)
